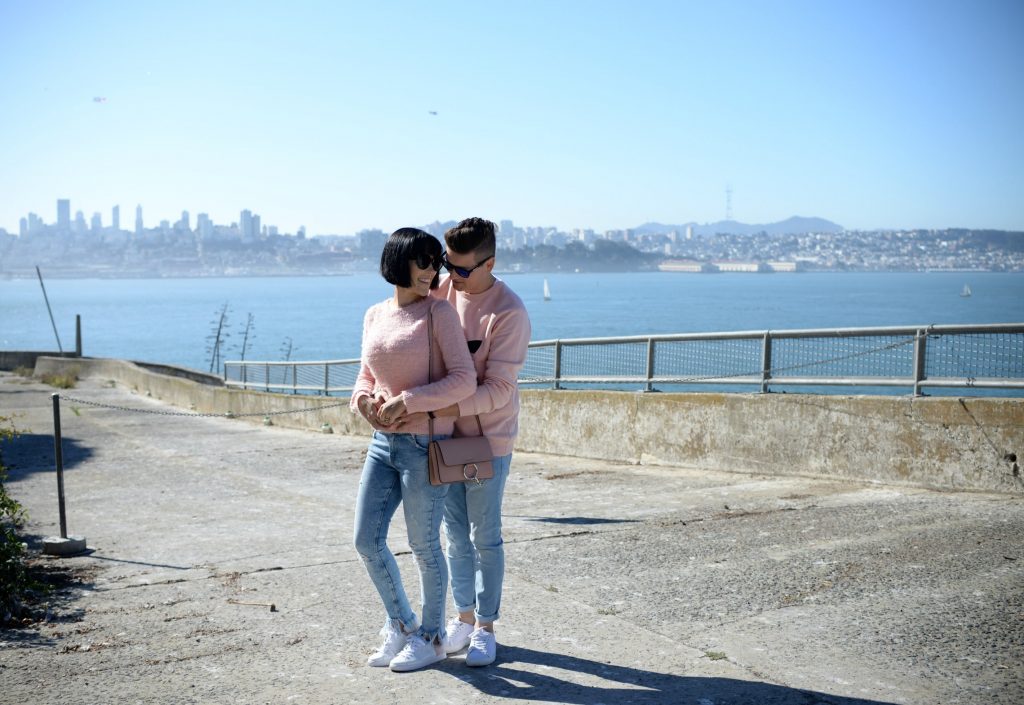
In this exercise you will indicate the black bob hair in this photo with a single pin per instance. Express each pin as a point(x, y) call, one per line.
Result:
point(404, 246)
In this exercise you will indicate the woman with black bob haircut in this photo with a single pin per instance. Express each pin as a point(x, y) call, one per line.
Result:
point(410, 245)
point(394, 380)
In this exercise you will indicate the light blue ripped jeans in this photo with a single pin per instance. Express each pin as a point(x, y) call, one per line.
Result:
point(395, 472)
point(476, 552)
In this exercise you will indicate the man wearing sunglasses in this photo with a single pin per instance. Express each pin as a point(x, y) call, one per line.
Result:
point(497, 330)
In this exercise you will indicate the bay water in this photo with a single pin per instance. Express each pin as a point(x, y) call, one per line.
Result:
point(171, 320)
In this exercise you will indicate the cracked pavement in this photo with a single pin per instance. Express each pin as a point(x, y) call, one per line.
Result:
point(624, 584)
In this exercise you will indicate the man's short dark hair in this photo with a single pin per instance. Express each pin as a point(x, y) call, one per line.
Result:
point(403, 246)
point(472, 235)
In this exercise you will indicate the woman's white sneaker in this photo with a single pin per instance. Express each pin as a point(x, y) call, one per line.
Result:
point(394, 641)
point(482, 648)
point(457, 635)
point(418, 653)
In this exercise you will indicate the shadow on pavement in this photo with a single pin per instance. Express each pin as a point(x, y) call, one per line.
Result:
point(576, 521)
point(622, 684)
point(49, 601)
point(27, 453)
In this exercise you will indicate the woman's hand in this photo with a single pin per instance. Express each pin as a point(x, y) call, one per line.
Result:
point(369, 409)
point(391, 411)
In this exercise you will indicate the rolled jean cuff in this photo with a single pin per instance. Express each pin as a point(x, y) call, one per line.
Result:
point(484, 618)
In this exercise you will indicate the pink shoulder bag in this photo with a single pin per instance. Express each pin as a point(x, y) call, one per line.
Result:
point(455, 459)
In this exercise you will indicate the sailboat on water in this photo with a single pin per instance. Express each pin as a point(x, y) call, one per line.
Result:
point(966, 291)
point(547, 291)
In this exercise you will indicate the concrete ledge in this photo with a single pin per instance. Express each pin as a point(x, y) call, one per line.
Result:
point(13, 359)
point(939, 443)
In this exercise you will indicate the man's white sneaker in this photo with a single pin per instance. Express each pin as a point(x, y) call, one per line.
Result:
point(394, 641)
point(417, 654)
point(457, 635)
point(482, 648)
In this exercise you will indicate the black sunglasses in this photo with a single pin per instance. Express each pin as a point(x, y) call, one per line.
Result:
point(424, 261)
point(462, 271)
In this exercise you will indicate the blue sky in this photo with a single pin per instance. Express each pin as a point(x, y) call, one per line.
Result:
point(571, 114)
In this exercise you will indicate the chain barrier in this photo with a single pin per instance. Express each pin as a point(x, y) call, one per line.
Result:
point(227, 414)
point(771, 372)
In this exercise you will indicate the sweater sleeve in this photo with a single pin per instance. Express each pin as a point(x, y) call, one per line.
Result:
point(460, 380)
point(365, 381)
point(510, 339)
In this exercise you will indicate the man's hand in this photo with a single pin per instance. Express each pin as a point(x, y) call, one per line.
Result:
point(413, 419)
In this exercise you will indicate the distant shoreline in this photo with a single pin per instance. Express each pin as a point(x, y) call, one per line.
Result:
point(79, 274)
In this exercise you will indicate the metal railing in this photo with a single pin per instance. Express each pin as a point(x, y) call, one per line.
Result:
point(987, 356)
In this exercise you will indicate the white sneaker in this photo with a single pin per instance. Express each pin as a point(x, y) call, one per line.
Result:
point(418, 653)
point(456, 635)
point(394, 641)
point(482, 648)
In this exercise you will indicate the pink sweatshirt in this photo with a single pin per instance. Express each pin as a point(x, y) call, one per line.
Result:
point(394, 359)
point(497, 329)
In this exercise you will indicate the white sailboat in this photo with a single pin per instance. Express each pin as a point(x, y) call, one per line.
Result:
point(966, 291)
point(547, 291)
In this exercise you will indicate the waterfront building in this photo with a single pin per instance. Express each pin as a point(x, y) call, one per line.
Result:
point(63, 214)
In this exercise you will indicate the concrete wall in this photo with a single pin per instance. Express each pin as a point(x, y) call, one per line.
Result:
point(13, 359)
point(944, 443)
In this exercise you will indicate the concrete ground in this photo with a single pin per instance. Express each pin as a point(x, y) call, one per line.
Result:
point(624, 584)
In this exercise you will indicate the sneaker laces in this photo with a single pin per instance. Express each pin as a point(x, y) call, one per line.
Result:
point(454, 625)
point(478, 639)
point(415, 642)
point(393, 638)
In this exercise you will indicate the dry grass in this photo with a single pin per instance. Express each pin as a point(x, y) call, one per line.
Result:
point(68, 380)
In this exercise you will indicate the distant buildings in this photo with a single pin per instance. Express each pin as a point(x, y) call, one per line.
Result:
point(63, 214)
point(73, 247)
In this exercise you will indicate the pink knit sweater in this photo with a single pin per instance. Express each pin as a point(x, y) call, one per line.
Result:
point(394, 359)
point(497, 329)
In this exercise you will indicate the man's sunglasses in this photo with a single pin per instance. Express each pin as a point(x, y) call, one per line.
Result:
point(462, 271)
point(425, 261)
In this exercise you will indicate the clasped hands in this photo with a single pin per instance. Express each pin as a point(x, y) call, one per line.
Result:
point(385, 414)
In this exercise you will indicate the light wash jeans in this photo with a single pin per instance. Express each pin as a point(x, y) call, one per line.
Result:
point(476, 554)
point(395, 472)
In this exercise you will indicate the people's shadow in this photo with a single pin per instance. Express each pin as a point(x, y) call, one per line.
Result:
point(27, 453)
point(623, 684)
point(48, 602)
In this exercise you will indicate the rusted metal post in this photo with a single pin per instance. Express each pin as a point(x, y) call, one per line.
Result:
point(59, 456)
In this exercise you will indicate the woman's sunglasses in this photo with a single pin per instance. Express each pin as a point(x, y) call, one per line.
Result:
point(425, 261)
point(462, 271)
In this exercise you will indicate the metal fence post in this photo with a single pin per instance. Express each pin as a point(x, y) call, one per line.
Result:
point(58, 454)
point(78, 335)
point(920, 350)
point(327, 380)
point(295, 377)
point(558, 363)
point(245, 375)
point(650, 365)
point(766, 361)
point(267, 378)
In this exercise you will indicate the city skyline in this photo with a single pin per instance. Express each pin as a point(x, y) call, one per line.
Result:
point(598, 116)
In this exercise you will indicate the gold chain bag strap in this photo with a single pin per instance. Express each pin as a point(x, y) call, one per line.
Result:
point(455, 459)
